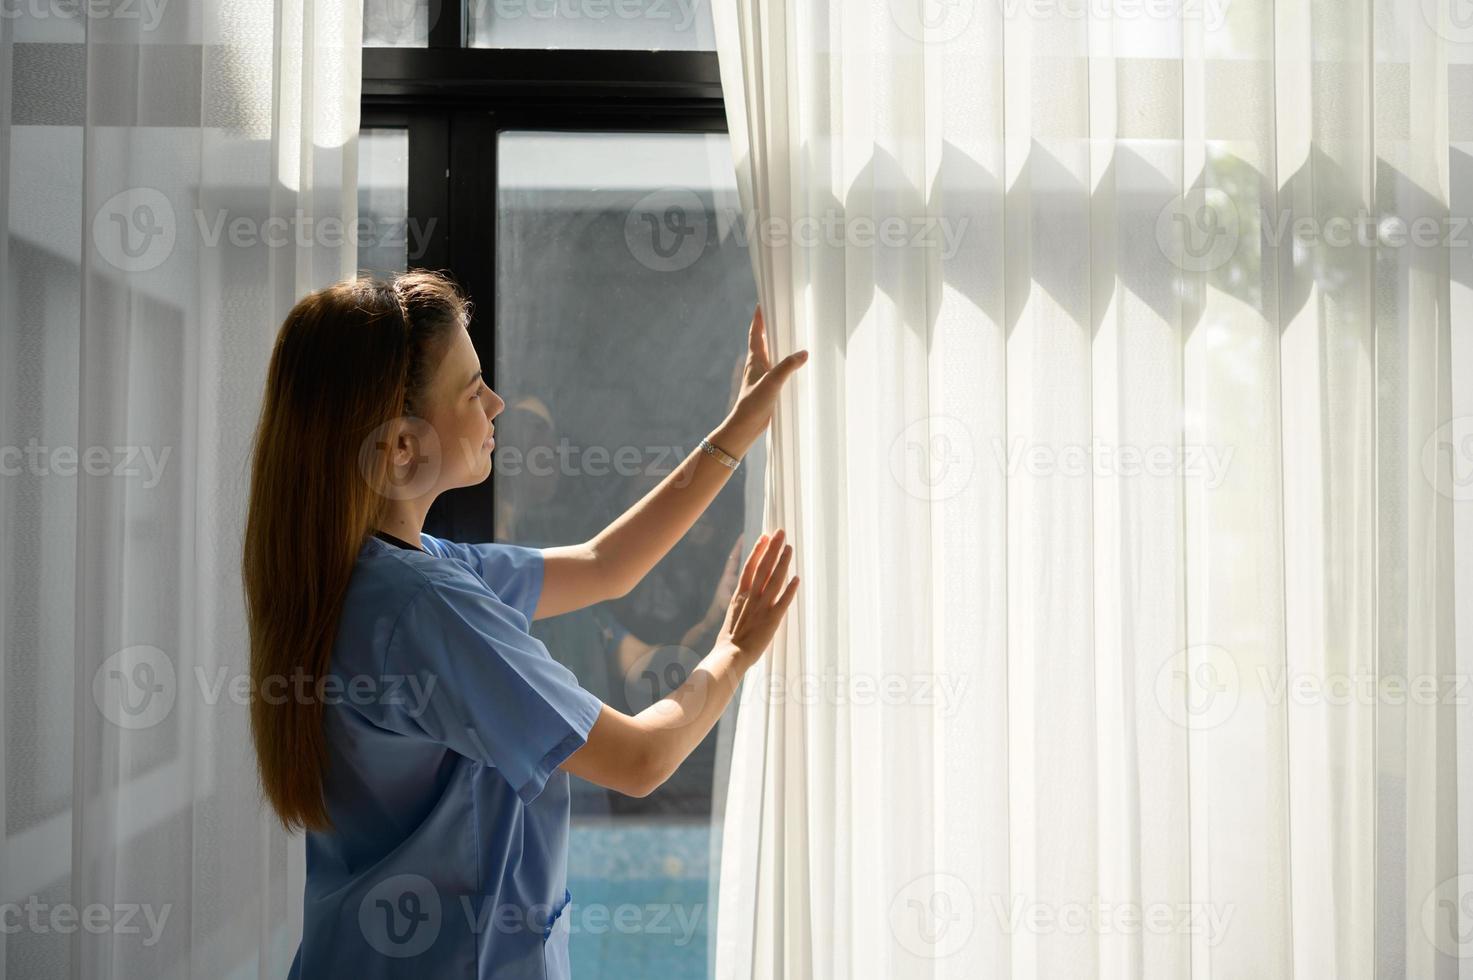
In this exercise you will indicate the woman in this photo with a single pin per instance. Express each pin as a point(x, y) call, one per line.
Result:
point(403, 715)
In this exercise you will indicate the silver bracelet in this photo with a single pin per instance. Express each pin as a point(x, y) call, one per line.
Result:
point(729, 461)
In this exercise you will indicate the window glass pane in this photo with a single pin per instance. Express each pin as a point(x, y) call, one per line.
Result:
point(398, 23)
point(386, 237)
point(640, 25)
point(624, 293)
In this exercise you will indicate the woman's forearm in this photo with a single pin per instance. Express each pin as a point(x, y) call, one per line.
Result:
point(636, 541)
point(678, 722)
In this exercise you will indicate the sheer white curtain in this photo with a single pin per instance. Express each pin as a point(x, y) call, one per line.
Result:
point(172, 174)
point(1127, 481)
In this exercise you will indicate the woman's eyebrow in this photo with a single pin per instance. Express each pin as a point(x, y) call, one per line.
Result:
point(473, 378)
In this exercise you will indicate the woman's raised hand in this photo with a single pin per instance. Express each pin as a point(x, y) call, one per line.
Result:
point(761, 380)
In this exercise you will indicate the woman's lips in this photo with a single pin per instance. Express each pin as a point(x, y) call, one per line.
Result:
point(490, 441)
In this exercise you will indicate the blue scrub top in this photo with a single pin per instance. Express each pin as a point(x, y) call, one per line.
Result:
point(448, 854)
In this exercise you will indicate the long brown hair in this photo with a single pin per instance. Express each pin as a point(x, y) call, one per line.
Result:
point(349, 360)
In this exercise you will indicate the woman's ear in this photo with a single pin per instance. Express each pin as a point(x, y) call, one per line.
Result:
point(414, 459)
point(400, 445)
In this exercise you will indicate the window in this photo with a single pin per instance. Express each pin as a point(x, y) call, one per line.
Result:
point(387, 239)
point(620, 333)
point(576, 179)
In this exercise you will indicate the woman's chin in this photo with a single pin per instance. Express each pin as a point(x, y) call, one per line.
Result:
point(476, 476)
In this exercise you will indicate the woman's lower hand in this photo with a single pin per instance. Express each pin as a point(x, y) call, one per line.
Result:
point(763, 595)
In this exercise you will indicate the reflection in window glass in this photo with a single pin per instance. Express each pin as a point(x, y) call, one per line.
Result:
point(636, 25)
point(384, 230)
point(623, 296)
point(399, 23)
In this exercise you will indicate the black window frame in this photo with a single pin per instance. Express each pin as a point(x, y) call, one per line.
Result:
point(454, 100)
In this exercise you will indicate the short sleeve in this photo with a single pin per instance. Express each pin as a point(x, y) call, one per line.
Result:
point(514, 572)
point(487, 689)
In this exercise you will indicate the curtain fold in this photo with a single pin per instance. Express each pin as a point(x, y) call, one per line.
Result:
point(1129, 479)
point(174, 177)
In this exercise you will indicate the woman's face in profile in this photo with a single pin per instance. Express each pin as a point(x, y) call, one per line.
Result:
point(460, 409)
